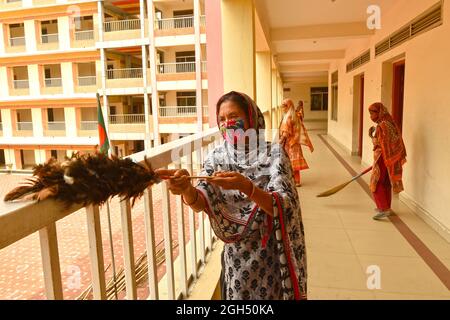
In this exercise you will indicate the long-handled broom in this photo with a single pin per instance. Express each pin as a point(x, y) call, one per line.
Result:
point(342, 186)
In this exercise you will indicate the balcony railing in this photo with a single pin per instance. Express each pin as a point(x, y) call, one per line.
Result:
point(126, 118)
point(174, 23)
point(129, 73)
point(25, 126)
point(56, 125)
point(49, 38)
point(89, 125)
point(204, 66)
point(122, 25)
point(11, 1)
point(1, 126)
point(194, 236)
point(84, 35)
point(21, 84)
point(87, 81)
point(176, 67)
point(17, 41)
point(53, 82)
point(180, 111)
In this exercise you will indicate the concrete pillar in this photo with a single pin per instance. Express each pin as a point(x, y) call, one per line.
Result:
point(264, 83)
point(275, 116)
point(33, 79)
point(70, 119)
point(30, 35)
point(198, 66)
point(64, 32)
point(4, 89)
point(152, 59)
point(36, 118)
point(67, 78)
point(2, 38)
point(7, 122)
point(238, 45)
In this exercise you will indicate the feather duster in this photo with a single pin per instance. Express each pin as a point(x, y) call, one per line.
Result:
point(87, 179)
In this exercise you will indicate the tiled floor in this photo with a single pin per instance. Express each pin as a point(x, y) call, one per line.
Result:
point(345, 245)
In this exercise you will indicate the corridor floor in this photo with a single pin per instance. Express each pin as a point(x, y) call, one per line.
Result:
point(351, 256)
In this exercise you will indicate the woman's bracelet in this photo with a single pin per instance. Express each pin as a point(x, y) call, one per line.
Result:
point(193, 202)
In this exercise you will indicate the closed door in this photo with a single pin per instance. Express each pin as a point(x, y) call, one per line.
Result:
point(398, 93)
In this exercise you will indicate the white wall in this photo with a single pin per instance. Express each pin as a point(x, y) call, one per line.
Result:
point(426, 115)
point(302, 91)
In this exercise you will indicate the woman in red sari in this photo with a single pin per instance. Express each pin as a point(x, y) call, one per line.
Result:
point(389, 157)
point(292, 136)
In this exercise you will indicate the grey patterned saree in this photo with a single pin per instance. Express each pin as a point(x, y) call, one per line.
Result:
point(264, 256)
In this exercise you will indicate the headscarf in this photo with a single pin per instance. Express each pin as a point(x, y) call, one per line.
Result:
point(391, 144)
point(301, 134)
point(234, 217)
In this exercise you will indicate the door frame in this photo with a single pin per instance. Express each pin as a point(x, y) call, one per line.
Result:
point(397, 108)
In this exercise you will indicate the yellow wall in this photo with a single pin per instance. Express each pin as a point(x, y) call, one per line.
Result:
point(426, 108)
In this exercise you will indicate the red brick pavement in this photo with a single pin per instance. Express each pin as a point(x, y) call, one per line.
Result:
point(21, 274)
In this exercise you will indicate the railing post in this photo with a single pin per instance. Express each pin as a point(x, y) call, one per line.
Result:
point(165, 199)
point(96, 252)
point(193, 234)
point(181, 241)
point(152, 268)
point(50, 262)
point(128, 251)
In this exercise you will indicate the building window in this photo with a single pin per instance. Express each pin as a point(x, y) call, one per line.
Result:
point(183, 19)
point(319, 99)
point(185, 61)
point(334, 96)
point(186, 102)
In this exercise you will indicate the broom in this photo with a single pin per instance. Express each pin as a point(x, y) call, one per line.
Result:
point(342, 186)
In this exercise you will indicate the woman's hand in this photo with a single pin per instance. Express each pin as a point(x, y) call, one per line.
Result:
point(230, 180)
point(180, 183)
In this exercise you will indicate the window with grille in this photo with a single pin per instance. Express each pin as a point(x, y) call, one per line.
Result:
point(319, 99)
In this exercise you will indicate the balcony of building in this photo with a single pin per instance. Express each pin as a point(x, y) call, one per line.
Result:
point(22, 123)
point(166, 258)
point(54, 122)
point(124, 68)
point(44, 2)
point(88, 122)
point(20, 84)
point(125, 28)
point(52, 79)
point(83, 32)
point(49, 39)
point(86, 77)
point(126, 114)
point(16, 38)
point(178, 19)
point(10, 4)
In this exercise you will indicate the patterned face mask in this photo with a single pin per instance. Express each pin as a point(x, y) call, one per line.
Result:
point(232, 130)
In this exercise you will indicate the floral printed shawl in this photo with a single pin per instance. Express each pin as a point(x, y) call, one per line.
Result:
point(258, 247)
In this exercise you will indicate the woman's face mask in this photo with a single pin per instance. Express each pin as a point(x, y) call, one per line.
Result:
point(232, 130)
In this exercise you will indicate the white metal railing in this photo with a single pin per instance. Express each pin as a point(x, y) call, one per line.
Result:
point(84, 35)
point(25, 126)
point(53, 82)
point(204, 66)
point(129, 73)
point(17, 41)
point(11, 1)
point(21, 219)
point(126, 118)
point(174, 23)
point(87, 81)
point(89, 125)
point(176, 67)
point(203, 21)
point(122, 25)
point(180, 111)
point(49, 38)
point(21, 84)
point(56, 125)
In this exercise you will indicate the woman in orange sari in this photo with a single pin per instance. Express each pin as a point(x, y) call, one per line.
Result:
point(389, 157)
point(292, 136)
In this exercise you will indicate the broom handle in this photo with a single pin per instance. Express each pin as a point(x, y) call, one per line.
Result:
point(189, 177)
point(363, 173)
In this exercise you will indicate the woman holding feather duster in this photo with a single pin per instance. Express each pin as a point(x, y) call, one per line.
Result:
point(253, 206)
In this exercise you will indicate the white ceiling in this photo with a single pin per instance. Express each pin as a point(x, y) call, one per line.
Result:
point(275, 14)
point(286, 13)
